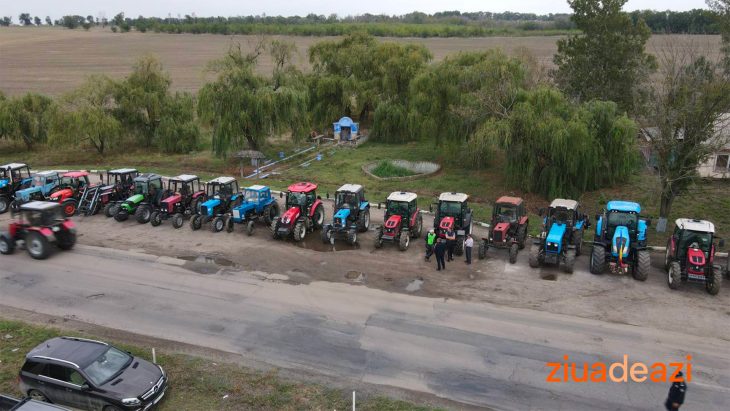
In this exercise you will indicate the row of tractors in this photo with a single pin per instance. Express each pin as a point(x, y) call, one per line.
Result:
point(619, 240)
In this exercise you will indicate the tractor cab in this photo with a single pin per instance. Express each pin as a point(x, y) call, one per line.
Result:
point(402, 220)
point(222, 195)
point(349, 199)
point(507, 214)
point(37, 225)
point(13, 176)
point(620, 240)
point(222, 188)
point(75, 180)
point(301, 195)
point(400, 206)
point(185, 187)
point(41, 186)
point(691, 253)
point(123, 177)
point(150, 186)
point(561, 239)
point(40, 214)
point(453, 213)
point(304, 212)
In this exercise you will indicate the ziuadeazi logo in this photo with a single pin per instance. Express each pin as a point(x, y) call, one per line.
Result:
point(618, 372)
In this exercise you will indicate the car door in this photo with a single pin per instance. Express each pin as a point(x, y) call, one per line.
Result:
point(50, 383)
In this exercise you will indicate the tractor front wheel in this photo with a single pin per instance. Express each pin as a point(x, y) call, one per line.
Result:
point(111, 209)
point(300, 231)
point(674, 275)
point(229, 224)
point(535, 256)
point(196, 222)
point(4, 204)
point(569, 262)
point(143, 214)
point(404, 241)
point(521, 236)
point(459, 248)
point(364, 223)
point(713, 286)
point(69, 207)
point(598, 259)
point(7, 244)
point(155, 219)
point(178, 220)
point(274, 228)
point(379, 237)
point(578, 242)
point(271, 212)
point(326, 234)
point(65, 240)
point(352, 237)
point(37, 245)
point(513, 249)
point(121, 215)
point(250, 228)
point(642, 266)
point(217, 225)
point(482, 253)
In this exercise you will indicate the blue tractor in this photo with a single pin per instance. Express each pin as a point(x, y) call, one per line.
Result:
point(561, 239)
point(352, 215)
point(257, 204)
point(620, 240)
point(13, 177)
point(223, 195)
point(41, 186)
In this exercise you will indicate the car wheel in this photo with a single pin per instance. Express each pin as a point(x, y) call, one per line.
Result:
point(37, 395)
point(37, 245)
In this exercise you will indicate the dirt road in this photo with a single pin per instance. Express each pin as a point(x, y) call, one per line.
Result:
point(473, 353)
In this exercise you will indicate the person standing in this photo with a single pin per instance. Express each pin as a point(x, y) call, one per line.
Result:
point(450, 243)
point(440, 251)
point(675, 399)
point(468, 245)
point(430, 240)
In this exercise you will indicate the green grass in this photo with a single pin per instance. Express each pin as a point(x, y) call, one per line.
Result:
point(197, 383)
point(386, 169)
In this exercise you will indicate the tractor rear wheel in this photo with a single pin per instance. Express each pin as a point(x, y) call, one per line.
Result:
point(598, 259)
point(674, 275)
point(569, 262)
point(7, 244)
point(404, 241)
point(352, 237)
point(379, 237)
point(715, 281)
point(111, 209)
point(121, 215)
point(667, 254)
point(178, 220)
point(4, 204)
point(418, 228)
point(196, 222)
point(364, 223)
point(217, 225)
point(65, 240)
point(482, 254)
point(250, 228)
point(326, 234)
point(513, 249)
point(37, 246)
point(69, 207)
point(318, 217)
point(155, 219)
point(535, 256)
point(300, 231)
point(271, 212)
point(521, 236)
point(642, 266)
point(143, 213)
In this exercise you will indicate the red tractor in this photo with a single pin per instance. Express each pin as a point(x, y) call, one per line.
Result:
point(690, 255)
point(69, 191)
point(188, 194)
point(402, 220)
point(304, 212)
point(39, 224)
point(508, 228)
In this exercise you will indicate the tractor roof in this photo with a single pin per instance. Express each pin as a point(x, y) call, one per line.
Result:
point(122, 171)
point(76, 174)
point(302, 187)
point(509, 200)
point(14, 166)
point(222, 180)
point(257, 187)
point(454, 197)
point(147, 177)
point(561, 202)
point(46, 173)
point(350, 188)
point(695, 225)
point(39, 205)
point(623, 206)
point(402, 196)
point(185, 178)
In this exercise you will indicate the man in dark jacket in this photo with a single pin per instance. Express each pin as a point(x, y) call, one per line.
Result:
point(440, 251)
point(676, 394)
point(450, 243)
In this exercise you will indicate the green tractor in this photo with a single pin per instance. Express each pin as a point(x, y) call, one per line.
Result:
point(148, 194)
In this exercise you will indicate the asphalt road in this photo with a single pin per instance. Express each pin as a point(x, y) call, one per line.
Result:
point(473, 353)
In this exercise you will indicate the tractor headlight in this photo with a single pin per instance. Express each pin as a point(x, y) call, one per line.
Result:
point(131, 402)
point(55, 229)
point(285, 220)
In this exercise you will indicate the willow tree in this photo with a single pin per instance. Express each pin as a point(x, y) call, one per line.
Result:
point(244, 107)
point(555, 148)
point(27, 118)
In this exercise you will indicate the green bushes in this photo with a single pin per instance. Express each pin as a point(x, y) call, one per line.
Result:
point(386, 169)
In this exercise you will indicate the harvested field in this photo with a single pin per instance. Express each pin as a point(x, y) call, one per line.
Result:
point(54, 60)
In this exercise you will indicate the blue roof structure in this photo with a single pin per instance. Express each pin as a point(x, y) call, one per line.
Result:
point(623, 206)
point(345, 122)
point(257, 188)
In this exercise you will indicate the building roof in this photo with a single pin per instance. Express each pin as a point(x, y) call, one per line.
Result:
point(185, 178)
point(76, 174)
point(39, 205)
point(509, 200)
point(454, 197)
point(561, 202)
point(695, 225)
point(623, 206)
point(122, 171)
point(257, 187)
point(350, 188)
point(345, 122)
point(78, 351)
point(13, 166)
point(147, 177)
point(222, 180)
point(402, 196)
point(302, 187)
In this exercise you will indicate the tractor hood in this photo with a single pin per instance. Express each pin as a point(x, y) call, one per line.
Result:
point(342, 214)
point(447, 223)
point(393, 221)
point(63, 193)
point(173, 199)
point(290, 215)
point(621, 235)
point(557, 231)
point(25, 193)
point(210, 205)
point(696, 261)
point(502, 228)
point(135, 199)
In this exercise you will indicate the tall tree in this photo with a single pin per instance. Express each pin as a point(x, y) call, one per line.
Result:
point(49, 22)
point(244, 108)
point(6, 21)
point(25, 19)
point(27, 118)
point(722, 7)
point(37, 20)
point(606, 61)
point(689, 110)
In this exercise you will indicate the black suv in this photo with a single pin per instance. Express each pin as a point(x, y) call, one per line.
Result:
point(91, 375)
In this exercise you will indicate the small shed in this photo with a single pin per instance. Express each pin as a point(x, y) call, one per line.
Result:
point(346, 130)
point(256, 157)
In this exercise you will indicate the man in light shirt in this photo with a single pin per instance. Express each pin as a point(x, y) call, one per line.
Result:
point(468, 245)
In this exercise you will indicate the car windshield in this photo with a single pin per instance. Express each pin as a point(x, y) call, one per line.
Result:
point(140, 187)
point(398, 207)
point(109, 364)
point(251, 196)
point(696, 239)
point(296, 199)
point(450, 208)
point(617, 218)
